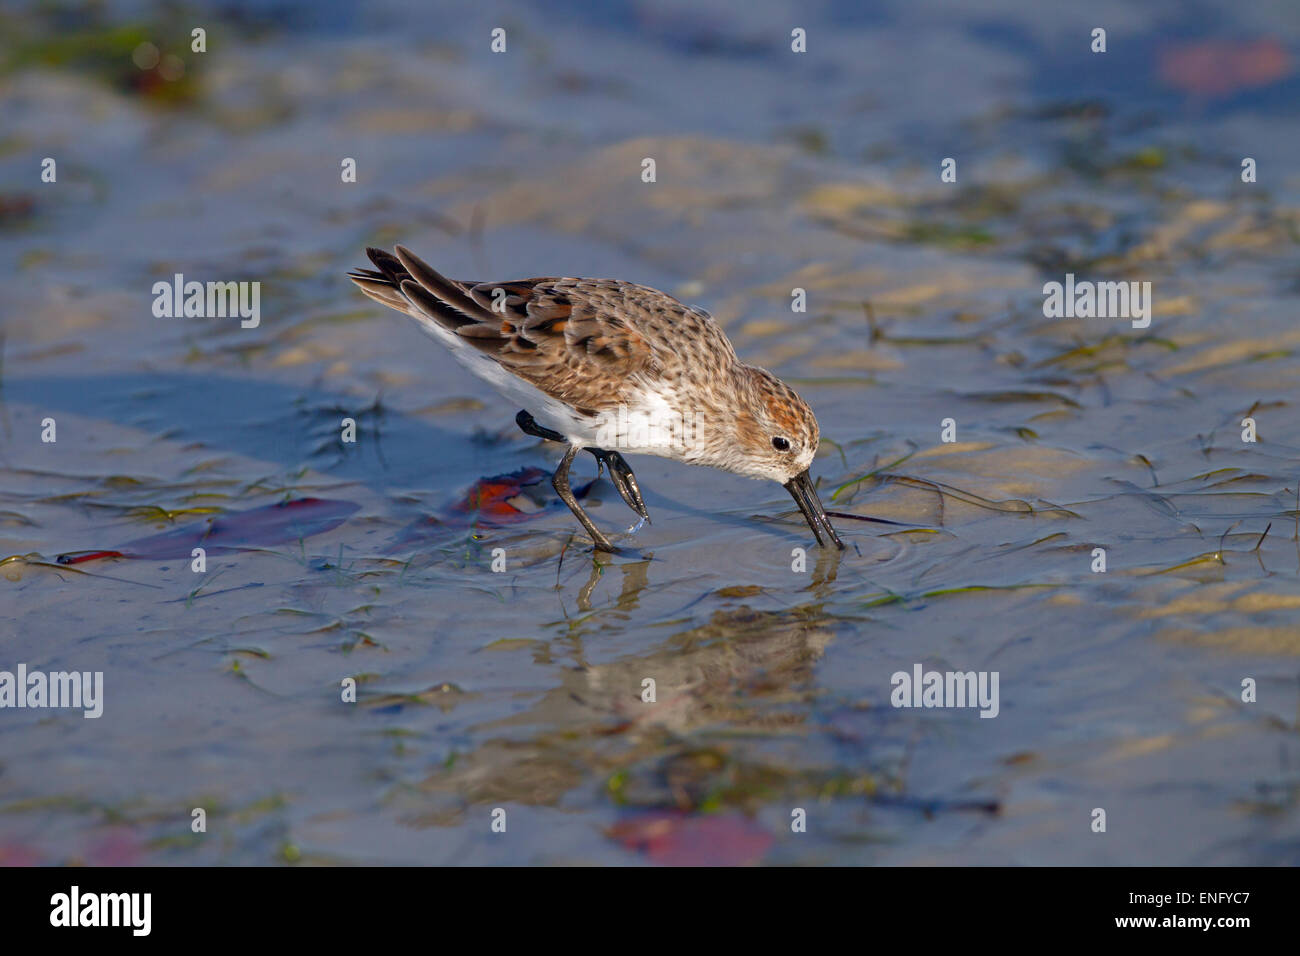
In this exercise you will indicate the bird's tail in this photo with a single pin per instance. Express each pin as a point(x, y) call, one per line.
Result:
point(408, 284)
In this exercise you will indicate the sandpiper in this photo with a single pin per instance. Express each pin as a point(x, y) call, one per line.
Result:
point(605, 365)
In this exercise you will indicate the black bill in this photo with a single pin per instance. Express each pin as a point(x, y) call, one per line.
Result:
point(805, 496)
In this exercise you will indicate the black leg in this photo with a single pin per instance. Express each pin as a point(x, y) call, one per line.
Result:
point(620, 473)
point(528, 425)
point(560, 481)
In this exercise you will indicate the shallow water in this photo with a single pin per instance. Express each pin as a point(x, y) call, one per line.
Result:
point(522, 690)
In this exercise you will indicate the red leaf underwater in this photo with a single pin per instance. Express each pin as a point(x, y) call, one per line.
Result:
point(119, 847)
point(236, 531)
point(675, 839)
point(17, 854)
point(494, 502)
point(1222, 67)
point(501, 499)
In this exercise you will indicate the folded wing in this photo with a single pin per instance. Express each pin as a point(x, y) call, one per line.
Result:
point(566, 337)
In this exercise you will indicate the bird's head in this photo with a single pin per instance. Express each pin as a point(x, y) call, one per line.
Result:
point(775, 435)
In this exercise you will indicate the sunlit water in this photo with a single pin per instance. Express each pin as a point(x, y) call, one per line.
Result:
point(522, 690)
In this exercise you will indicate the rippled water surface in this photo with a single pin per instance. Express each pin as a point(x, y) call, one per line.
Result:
point(521, 690)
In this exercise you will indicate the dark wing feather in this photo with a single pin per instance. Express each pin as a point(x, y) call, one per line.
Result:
point(573, 339)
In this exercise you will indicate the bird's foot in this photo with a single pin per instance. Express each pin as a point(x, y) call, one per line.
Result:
point(620, 473)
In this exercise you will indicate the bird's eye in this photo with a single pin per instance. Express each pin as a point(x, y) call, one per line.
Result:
point(781, 444)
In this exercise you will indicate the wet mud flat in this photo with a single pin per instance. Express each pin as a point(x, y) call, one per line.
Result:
point(773, 662)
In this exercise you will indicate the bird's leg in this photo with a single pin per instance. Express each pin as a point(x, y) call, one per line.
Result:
point(560, 481)
point(528, 425)
point(620, 473)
